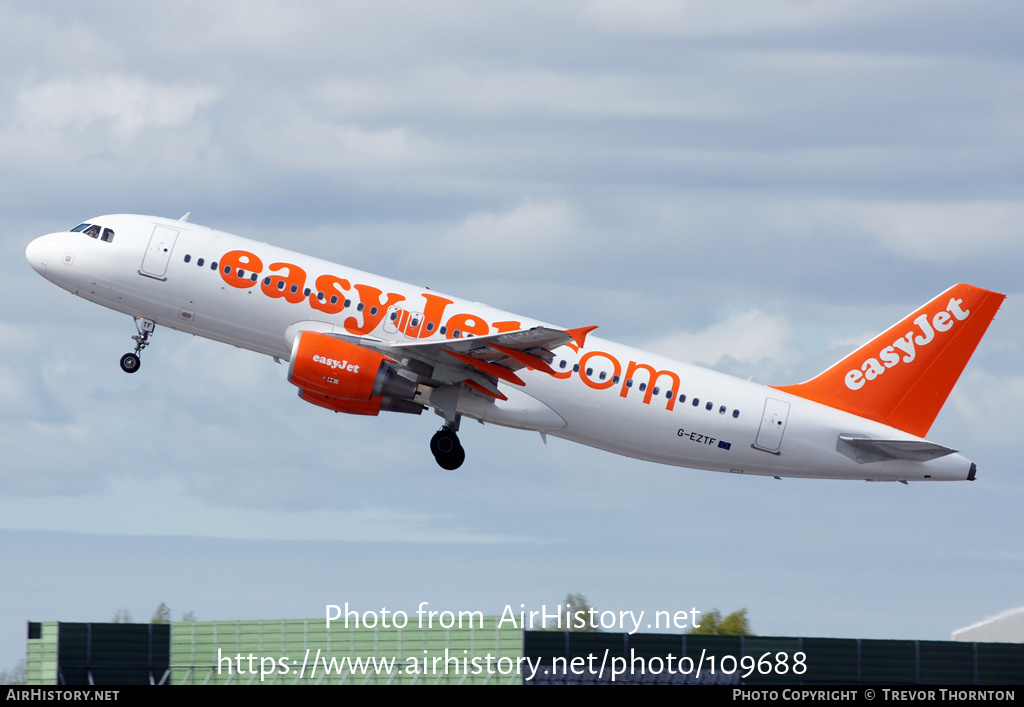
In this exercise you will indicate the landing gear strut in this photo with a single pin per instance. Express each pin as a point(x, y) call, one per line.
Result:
point(447, 449)
point(130, 362)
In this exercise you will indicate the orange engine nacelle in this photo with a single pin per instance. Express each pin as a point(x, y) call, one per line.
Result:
point(327, 365)
point(343, 377)
point(352, 407)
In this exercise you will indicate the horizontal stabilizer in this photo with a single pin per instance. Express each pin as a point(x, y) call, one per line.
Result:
point(864, 450)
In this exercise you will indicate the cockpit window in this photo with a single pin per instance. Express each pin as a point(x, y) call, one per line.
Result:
point(93, 231)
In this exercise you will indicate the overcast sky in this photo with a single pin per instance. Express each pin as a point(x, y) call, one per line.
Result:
point(758, 187)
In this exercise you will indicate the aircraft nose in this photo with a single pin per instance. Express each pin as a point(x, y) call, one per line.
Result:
point(39, 254)
point(35, 256)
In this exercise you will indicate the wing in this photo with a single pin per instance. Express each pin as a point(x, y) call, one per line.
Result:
point(478, 361)
point(481, 361)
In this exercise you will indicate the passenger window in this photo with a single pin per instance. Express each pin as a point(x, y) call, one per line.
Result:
point(696, 402)
point(721, 410)
point(682, 398)
point(735, 413)
point(188, 258)
point(199, 262)
point(709, 406)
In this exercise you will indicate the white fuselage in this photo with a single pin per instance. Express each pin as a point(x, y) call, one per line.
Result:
point(605, 395)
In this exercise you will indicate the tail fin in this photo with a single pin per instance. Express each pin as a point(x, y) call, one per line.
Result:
point(903, 376)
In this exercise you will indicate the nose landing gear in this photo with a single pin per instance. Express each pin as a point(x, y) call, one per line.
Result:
point(447, 449)
point(130, 362)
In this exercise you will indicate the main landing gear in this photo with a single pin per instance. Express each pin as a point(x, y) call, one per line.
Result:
point(447, 449)
point(130, 362)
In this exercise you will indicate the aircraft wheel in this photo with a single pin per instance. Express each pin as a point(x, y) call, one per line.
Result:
point(447, 450)
point(443, 442)
point(130, 363)
point(453, 460)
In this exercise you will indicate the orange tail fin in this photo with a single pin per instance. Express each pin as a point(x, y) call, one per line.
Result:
point(903, 376)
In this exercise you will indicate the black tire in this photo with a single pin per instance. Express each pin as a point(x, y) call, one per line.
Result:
point(452, 460)
point(444, 442)
point(130, 363)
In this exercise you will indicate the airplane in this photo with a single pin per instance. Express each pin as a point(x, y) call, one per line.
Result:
point(362, 344)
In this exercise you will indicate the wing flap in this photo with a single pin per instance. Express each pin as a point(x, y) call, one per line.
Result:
point(492, 369)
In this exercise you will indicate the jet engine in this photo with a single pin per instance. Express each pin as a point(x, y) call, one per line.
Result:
point(343, 377)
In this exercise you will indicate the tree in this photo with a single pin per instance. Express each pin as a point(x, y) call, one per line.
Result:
point(15, 675)
point(123, 616)
point(712, 624)
point(162, 615)
point(579, 610)
point(189, 616)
